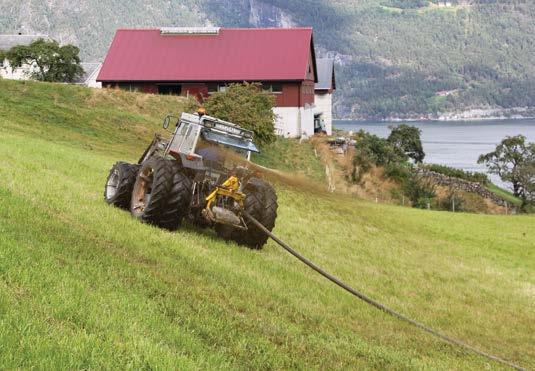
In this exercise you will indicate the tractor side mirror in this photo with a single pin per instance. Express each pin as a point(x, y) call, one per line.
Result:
point(166, 122)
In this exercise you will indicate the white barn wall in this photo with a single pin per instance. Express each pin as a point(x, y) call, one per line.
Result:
point(324, 105)
point(293, 122)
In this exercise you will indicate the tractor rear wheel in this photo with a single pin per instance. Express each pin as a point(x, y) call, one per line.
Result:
point(118, 189)
point(161, 194)
point(261, 204)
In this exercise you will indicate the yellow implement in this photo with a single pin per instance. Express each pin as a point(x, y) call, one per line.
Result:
point(229, 188)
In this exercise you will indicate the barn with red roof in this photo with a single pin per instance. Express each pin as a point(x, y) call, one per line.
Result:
point(201, 60)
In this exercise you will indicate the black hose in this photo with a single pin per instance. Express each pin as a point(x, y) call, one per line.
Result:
point(376, 304)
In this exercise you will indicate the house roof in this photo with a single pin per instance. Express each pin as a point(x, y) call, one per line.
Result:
point(9, 41)
point(326, 77)
point(226, 54)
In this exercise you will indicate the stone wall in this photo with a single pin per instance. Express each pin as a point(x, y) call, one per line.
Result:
point(464, 185)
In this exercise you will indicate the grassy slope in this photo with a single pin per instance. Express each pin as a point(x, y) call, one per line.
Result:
point(83, 285)
point(505, 194)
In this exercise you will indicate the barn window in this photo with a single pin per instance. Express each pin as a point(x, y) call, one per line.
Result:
point(169, 89)
point(272, 87)
point(212, 87)
point(276, 87)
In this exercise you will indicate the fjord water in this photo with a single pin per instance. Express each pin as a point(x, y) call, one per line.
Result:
point(457, 144)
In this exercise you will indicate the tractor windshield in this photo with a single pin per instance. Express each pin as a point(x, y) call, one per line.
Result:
point(230, 141)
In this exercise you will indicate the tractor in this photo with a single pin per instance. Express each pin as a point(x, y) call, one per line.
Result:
point(199, 174)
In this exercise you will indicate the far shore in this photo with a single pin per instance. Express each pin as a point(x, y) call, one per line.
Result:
point(420, 119)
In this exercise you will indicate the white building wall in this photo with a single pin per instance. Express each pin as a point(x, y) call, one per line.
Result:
point(20, 73)
point(324, 106)
point(293, 122)
point(307, 120)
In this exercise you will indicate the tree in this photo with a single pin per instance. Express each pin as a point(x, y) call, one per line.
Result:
point(513, 161)
point(527, 177)
point(52, 62)
point(407, 139)
point(378, 150)
point(246, 105)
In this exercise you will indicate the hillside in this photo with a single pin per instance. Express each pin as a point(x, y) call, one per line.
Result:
point(83, 285)
point(406, 59)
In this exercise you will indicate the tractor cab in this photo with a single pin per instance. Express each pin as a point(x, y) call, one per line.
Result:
point(200, 140)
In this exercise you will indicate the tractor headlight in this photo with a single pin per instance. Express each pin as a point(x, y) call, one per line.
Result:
point(209, 124)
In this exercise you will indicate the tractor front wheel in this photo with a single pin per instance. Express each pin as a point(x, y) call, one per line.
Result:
point(118, 189)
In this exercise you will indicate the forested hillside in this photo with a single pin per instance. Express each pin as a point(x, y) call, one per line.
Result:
point(395, 58)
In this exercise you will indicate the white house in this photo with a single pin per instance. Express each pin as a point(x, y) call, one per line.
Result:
point(6, 43)
point(324, 88)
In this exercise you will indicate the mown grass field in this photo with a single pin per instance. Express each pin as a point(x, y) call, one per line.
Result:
point(83, 285)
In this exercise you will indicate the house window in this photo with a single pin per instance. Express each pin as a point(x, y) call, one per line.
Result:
point(222, 87)
point(275, 88)
point(170, 89)
point(212, 87)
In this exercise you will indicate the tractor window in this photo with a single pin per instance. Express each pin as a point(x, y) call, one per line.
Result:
point(208, 150)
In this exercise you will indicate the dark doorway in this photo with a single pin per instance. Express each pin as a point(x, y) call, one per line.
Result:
point(170, 89)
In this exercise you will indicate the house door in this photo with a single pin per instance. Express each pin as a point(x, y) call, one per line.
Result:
point(319, 123)
point(170, 89)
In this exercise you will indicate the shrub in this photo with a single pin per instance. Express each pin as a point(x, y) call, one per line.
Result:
point(420, 191)
point(361, 165)
point(399, 172)
point(453, 198)
point(378, 150)
point(246, 105)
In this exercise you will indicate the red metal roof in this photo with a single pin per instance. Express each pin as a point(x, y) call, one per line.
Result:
point(234, 54)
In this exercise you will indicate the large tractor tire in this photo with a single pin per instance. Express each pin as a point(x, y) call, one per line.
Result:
point(161, 194)
point(119, 185)
point(260, 203)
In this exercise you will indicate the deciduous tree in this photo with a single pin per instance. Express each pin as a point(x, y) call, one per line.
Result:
point(407, 139)
point(246, 105)
point(514, 161)
point(52, 62)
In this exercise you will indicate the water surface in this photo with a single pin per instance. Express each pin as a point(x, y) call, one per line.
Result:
point(457, 144)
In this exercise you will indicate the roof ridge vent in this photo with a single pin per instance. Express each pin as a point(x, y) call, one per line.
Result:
point(189, 30)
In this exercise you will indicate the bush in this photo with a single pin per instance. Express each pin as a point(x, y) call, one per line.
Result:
point(398, 172)
point(378, 150)
point(246, 105)
point(420, 191)
point(452, 198)
point(361, 165)
point(458, 173)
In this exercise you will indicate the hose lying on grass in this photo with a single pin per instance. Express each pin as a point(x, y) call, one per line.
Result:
point(375, 303)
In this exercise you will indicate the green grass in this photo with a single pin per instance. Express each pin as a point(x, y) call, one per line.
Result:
point(504, 194)
point(83, 285)
point(290, 156)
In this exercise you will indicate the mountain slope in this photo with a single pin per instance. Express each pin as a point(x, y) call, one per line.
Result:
point(83, 285)
point(404, 59)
